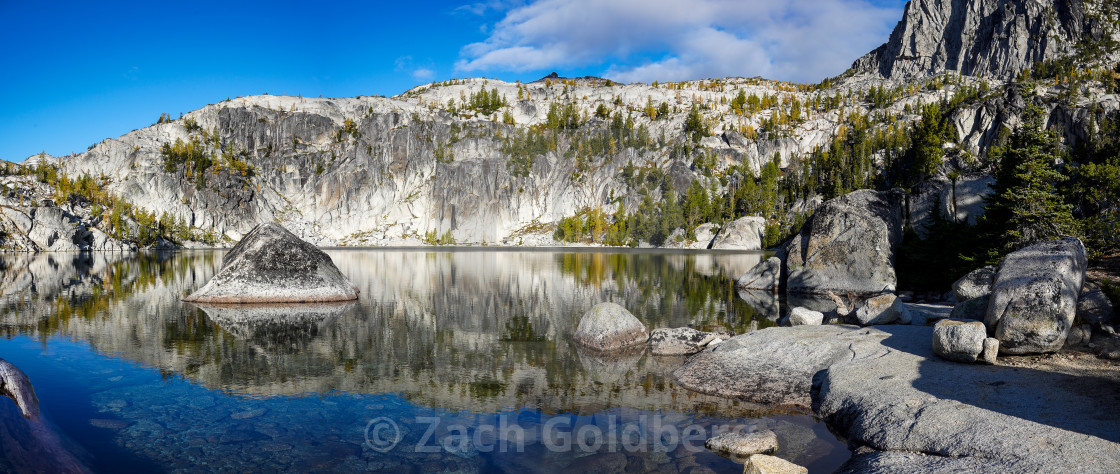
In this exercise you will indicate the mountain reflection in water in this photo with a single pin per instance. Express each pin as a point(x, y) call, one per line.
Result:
point(464, 330)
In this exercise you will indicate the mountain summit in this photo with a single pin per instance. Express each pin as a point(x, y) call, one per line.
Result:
point(992, 38)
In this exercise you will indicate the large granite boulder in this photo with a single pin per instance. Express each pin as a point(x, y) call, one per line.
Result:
point(744, 233)
point(974, 285)
point(705, 233)
point(1034, 296)
point(272, 265)
point(766, 276)
point(960, 341)
point(609, 327)
point(848, 246)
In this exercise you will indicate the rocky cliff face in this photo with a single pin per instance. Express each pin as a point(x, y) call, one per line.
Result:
point(988, 38)
point(371, 170)
point(434, 163)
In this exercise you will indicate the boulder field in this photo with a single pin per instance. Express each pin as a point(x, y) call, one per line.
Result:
point(912, 398)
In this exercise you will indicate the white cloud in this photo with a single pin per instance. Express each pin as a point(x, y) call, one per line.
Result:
point(648, 40)
point(420, 73)
point(482, 8)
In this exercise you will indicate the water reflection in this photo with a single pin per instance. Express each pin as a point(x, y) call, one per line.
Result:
point(454, 329)
point(462, 335)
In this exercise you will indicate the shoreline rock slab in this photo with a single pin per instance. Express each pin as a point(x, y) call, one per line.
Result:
point(773, 366)
point(848, 246)
point(272, 265)
point(884, 389)
point(1034, 296)
point(899, 397)
point(609, 327)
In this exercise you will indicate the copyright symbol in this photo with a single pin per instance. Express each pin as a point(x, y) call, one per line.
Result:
point(382, 434)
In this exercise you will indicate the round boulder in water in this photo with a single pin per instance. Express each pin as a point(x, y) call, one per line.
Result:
point(272, 265)
point(609, 327)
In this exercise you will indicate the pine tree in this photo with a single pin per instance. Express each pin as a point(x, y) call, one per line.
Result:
point(1025, 207)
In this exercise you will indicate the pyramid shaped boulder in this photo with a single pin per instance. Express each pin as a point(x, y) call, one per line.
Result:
point(272, 265)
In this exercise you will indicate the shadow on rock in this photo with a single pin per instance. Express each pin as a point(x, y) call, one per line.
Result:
point(898, 396)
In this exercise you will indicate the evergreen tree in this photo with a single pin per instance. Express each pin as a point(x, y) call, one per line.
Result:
point(694, 125)
point(1025, 207)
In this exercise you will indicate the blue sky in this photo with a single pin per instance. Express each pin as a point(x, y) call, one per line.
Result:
point(75, 73)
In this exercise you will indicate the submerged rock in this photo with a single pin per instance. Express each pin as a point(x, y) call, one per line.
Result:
point(1034, 297)
point(766, 276)
point(848, 246)
point(272, 265)
point(744, 444)
point(744, 233)
point(608, 327)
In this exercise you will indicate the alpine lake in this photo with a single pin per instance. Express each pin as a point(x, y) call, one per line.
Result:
point(452, 360)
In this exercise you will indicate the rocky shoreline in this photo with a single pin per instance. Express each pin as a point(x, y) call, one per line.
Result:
point(902, 408)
